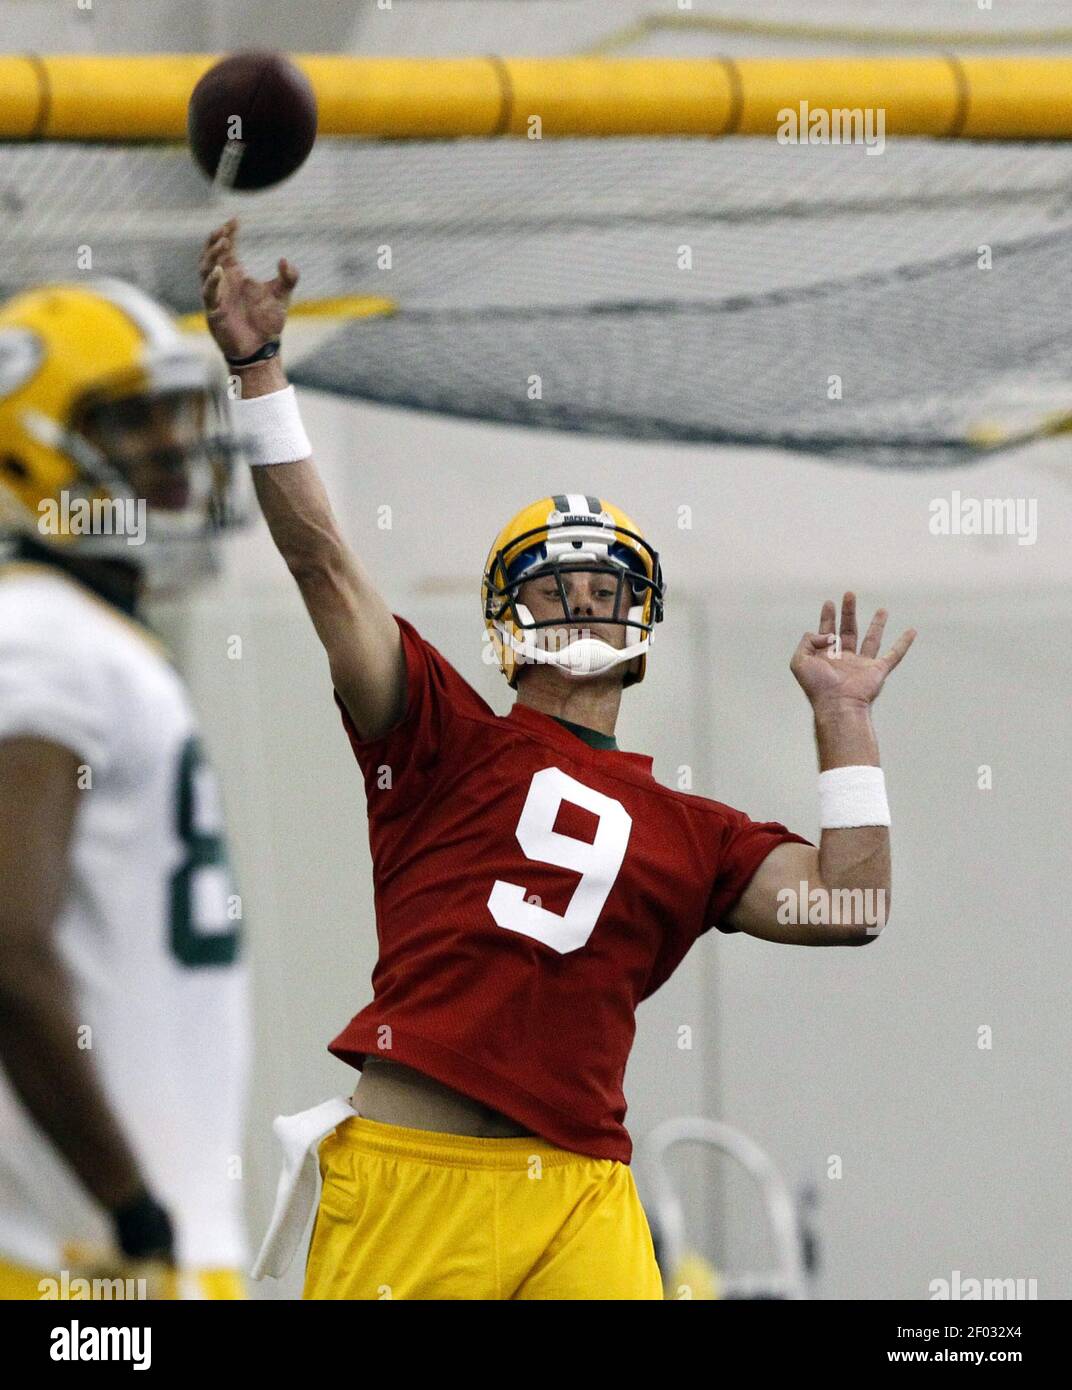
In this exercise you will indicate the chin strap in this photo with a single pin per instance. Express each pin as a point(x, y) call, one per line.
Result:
point(582, 659)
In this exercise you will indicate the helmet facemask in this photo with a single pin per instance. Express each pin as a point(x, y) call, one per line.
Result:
point(162, 463)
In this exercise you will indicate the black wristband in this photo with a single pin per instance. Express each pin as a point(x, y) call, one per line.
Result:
point(263, 354)
point(143, 1229)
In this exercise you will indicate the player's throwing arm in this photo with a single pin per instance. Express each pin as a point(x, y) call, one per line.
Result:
point(359, 634)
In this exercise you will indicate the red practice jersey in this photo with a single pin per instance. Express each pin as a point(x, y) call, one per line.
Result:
point(530, 892)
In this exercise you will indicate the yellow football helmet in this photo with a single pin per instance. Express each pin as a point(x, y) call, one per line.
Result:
point(571, 531)
point(108, 413)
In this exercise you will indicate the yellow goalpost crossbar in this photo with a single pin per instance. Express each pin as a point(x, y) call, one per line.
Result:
point(132, 98)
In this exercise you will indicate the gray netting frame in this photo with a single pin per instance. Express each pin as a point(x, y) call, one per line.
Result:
point(561, 260)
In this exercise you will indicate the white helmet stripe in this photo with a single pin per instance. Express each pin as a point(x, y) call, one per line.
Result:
point(144, 313)
point(170, 361)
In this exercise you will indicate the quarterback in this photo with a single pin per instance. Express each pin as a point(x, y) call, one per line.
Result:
point(533, 882)
point(122, 985)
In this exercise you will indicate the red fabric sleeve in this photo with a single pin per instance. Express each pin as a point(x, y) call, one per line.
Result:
point(405, 758)
point(744, 847)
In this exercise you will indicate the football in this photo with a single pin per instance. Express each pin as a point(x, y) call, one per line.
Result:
point(252, 120)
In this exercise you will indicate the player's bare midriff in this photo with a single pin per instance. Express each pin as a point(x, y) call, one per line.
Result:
point(397, 1095)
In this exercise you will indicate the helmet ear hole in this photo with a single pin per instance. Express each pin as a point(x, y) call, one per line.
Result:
point(14, 467)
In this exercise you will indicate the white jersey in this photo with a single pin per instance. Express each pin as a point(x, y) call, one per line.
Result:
point(148, 929)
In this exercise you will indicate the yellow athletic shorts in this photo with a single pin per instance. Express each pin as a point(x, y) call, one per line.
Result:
point(17, 1282)
point(408, 1213)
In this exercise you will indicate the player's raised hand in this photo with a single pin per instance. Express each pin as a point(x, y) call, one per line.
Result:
point(242, 313)
point(830, 669)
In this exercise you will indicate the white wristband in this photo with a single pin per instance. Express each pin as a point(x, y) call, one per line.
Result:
point(851, 796)
point(271, 427)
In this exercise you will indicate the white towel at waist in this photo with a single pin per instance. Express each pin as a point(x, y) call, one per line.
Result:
point(300, 1137)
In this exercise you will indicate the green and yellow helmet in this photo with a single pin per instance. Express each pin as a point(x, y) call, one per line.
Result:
point(571, 531)
point(76, 363)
